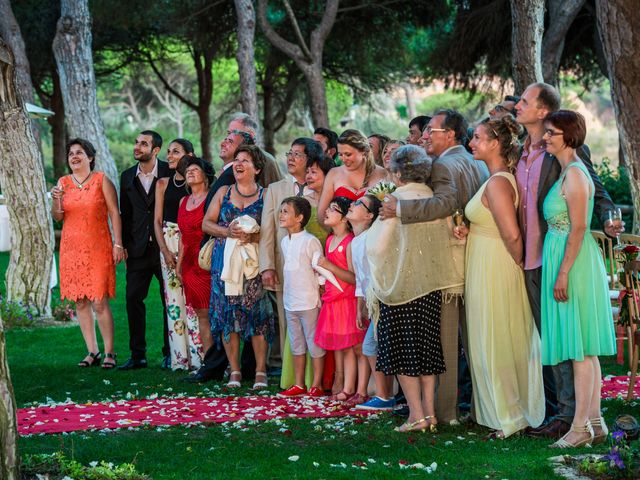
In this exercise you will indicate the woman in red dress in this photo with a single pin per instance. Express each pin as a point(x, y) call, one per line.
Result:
point(195, 281)
point(84, 201)
point(357, 172)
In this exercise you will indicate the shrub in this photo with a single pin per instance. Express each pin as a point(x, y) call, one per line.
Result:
point(57, 466)
point(17, 313)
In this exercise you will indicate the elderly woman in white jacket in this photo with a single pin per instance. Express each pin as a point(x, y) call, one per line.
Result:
point(244, 313)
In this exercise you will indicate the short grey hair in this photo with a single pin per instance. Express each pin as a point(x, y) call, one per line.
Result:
point(411, 163)
point(247, 121)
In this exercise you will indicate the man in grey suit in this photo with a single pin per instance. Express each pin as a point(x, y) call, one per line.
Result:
point(455, 178)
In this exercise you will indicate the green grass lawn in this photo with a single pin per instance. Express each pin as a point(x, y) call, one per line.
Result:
point(42, 363)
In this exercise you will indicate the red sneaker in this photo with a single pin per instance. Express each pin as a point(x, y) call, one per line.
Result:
point(316, 392)
point(292, 392)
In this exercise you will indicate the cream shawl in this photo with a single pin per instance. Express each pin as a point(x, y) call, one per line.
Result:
point(409, 261)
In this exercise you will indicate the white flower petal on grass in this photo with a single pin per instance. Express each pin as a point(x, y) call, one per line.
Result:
point(371, 460)
point(447, 443)
point(294, 458)
point(316, 464)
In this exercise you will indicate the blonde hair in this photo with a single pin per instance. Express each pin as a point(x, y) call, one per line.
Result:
point(506, 130)
point(356, 139)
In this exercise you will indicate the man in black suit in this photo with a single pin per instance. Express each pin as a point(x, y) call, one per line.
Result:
point(137, 199)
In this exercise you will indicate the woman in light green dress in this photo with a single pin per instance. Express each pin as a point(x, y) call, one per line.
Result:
point(577, 322)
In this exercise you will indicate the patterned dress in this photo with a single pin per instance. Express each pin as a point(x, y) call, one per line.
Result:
point(87, 269)
point(185, 346)
point(249, 314)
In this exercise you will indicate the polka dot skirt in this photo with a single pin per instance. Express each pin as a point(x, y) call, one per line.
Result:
point(409, 337)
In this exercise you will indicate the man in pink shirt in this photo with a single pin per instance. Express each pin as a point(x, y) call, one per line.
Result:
point(536, 173)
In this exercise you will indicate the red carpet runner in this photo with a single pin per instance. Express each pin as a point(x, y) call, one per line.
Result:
point(174, 411)
point(171, 411)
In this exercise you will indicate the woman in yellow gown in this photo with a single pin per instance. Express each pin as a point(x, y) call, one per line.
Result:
point(504, 344)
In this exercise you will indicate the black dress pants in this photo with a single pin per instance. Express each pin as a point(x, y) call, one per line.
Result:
point(140, 272)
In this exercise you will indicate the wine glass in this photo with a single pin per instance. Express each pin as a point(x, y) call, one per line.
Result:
point(61, 188)
point(458, 217)
point(615, 217)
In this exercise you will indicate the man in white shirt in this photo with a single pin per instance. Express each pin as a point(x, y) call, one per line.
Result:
point(271, 235)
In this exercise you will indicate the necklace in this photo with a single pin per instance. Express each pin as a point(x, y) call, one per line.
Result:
point(181, 185)
point(235, 185)
point(79, 183)
point(195, 200)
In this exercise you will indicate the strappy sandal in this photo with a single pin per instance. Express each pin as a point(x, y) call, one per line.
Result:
point(234, 383)
point(109, 365)
point(95, 360)
point(601, 437)
point(586, 428)
point(411, 426)
point(341, 396)
point(258, 385)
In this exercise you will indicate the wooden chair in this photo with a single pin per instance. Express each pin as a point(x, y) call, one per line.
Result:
point(614, 269)
point(632, 275)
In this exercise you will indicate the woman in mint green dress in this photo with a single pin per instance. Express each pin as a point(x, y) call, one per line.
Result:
point(577, 323)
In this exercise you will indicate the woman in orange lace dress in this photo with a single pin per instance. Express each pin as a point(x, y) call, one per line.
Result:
point(83, 200)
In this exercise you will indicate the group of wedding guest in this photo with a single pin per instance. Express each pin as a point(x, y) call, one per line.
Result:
point(341, 277)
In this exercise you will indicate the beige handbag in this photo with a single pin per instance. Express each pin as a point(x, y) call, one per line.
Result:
point(204, 257)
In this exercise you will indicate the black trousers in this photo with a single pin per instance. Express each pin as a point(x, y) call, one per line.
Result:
point(140, 272)
point(216, 361)
point(553, 404)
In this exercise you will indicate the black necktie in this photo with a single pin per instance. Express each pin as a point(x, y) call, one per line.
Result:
point(300, 189)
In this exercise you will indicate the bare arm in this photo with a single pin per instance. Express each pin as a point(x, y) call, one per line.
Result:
point(211, 217)
point(161, 187)
point(576, 191)
point(500, 197)
point(326, 196)
point(111, 199)
point(344, 275)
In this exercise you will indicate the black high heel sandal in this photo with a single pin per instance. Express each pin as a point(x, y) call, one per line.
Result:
point(95, 360)
point(109, 365)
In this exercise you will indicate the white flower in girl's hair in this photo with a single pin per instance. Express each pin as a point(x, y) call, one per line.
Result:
point(381, 189)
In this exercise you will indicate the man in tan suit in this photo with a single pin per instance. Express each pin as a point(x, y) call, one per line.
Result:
point(455, 178)
point(303, 150)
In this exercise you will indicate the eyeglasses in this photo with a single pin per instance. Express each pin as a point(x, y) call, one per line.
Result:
point(361, 202)
point(430, 130)
point(552, 133)
point(334, 208)
point(296, 155)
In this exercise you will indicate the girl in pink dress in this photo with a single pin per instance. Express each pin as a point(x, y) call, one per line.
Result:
point(337, 329)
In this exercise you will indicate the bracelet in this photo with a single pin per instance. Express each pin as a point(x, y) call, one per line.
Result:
point(118, 246)
point(58, 211)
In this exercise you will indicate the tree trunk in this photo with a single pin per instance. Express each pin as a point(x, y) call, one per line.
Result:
point(245, 56)
point(22, 182)
point(527, 20)
point(619, 27)
point(9, 459)
point(411, 103)
point(205, 133)
point(273, 119)
point(317, 95)
point(10, 32)
point(58, 130)
point(308, 58)
point(74, 60)
point(562, 13)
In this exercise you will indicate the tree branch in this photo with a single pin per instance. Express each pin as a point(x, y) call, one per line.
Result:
point(562, 13)
point(296, 30)
point(319, 35)
point(368, 5)
point(290, 49)
point(177, 94)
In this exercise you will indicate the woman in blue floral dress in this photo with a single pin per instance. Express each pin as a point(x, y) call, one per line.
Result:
point(248, 316)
